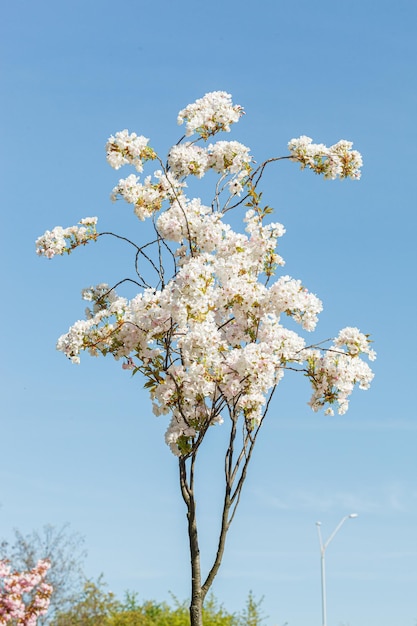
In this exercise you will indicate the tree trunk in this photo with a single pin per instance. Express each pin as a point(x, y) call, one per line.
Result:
point(235, 475)
point(196, 612)
point(187, 490)
point(196, 606)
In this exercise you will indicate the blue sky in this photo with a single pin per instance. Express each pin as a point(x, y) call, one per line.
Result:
point(79, 444)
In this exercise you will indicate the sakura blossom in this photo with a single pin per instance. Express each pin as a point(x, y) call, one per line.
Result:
point(125, 148)
point(24, 596)
point(187, 158)
point(229, 156)
point(208, 115)
point(209, 336)
point(338, 161)
point(60, 240)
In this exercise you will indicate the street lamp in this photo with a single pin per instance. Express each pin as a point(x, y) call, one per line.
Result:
point(323, 547)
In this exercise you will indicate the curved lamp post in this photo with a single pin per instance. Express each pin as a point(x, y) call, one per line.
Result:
point(323, 547)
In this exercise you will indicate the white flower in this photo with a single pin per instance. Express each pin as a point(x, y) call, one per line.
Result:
point(338, 161)
point(185, 159)
point(61, 240)
point(125, 148)
point(230, 156)
point(210, 114)
point(211, 335)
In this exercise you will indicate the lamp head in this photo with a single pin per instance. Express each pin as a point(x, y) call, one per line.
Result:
point(353, 515)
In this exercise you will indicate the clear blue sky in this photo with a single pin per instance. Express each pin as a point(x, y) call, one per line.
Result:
point(79, 444)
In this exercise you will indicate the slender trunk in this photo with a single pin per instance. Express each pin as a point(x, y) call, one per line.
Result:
point(235, 475)
point(187, 490)
point(196, 606)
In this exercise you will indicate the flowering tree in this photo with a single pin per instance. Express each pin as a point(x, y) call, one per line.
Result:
point(63, 551)
point(205, 329)
point(24, 596)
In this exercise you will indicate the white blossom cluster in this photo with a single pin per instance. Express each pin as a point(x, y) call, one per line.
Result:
point(224, 157)
point(212, 340)
point(61, 240)
point(147, 197)
point(189, 219)
point(101, 295)
point(125, 148)
point(338, 161)
point(210, 114)
point(335, 373)
point(187, 158)
point(230, 156)
point(86, 334)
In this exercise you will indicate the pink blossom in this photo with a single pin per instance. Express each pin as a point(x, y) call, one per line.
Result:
point(24, 596)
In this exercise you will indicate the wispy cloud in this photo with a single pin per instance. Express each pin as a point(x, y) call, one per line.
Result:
point(390, 497)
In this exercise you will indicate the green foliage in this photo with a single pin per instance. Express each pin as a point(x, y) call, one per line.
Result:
point(89, 603)
point(93, 607)
point(80, 602)
point(215, 615)
point(251, 615)
point(98, 607)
